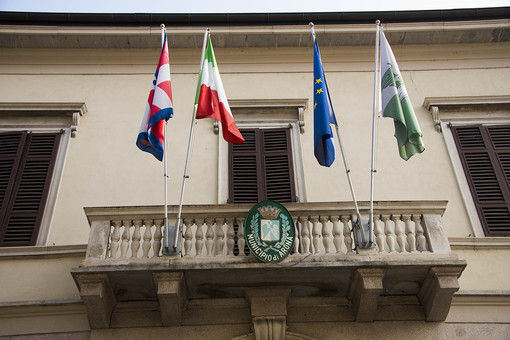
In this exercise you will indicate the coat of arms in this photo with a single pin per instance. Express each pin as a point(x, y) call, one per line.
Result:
point(269, 231)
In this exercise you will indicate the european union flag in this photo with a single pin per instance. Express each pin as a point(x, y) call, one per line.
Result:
point(323, 114)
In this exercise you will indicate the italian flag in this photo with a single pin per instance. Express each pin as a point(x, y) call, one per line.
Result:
point(397, 105)
point(211, 101)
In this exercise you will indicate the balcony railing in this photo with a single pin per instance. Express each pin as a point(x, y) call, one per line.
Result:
point(410, 269)
point(216, 231)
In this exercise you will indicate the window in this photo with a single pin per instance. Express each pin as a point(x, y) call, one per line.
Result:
point(485, 155)
point(262, 167)
point(27, 161)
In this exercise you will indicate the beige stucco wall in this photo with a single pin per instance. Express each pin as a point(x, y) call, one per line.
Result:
point(38, 279)
point(103, 167)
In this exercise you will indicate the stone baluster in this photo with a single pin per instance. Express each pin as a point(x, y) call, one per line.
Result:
point(411, 233)
point(137, 236)
point(303, 220)
point(147, 238)
point(230, 236)
point(326, 234)
point(158, 235)
point(209, 236)
point(220, 236)
point(380, 238)
point(188, 236)
point(114, 245)
point(199, 236)
point(400, 231)
point(389, 231)
point(347, 233)
point(337, 234)
point(297, 238)
point(126, 236)
point(240, 236)
point(316, 233)
point(420, 237)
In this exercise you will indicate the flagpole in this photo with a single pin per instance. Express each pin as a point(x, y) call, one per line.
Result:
point(177, 227)
point(165, 175)
point(372, 160)
point(359, 223)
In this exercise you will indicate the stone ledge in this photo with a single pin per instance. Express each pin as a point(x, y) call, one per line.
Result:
point(43, 251)
point(476, 243)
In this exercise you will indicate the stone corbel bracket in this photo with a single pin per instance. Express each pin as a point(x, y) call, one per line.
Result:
point(32, 115)
point(468, 110)
point(269, 312)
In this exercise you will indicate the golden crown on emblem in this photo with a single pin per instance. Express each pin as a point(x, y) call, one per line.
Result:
point(269, 212)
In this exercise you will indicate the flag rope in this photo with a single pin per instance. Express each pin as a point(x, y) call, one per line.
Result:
point(372, 157)
point(165, 174)
point(358, 225)
point(185, 176)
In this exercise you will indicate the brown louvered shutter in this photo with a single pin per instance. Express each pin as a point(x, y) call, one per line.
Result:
point(485, 156)
point(28, 175)
point(261, 167)
point(243, 169)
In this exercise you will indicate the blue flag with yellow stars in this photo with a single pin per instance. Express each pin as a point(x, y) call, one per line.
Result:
point(323, 115)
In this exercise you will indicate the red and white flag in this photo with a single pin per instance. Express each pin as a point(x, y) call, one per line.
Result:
point(211, 100)
point(151, 137)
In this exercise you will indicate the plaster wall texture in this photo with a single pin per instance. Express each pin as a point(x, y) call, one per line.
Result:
point(38, 279)
point(103, 167)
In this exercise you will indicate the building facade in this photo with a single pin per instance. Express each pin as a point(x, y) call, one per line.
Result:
point(82, 207)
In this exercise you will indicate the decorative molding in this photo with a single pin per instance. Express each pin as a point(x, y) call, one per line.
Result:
point(265, 107)
point(476, 243)
point(64, 115)
point(468, 110)
point(435, 117)
point(43, 251)
point(70, 36)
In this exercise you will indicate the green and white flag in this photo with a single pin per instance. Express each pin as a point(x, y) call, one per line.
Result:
point(397, 105)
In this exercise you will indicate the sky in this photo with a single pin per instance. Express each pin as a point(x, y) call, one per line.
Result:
point(237, 6)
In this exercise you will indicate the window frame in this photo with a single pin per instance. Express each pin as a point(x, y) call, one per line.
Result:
point(466, 111)
point(45, 118)
point(264, 114)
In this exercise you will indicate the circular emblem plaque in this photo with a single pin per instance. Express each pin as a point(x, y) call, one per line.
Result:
point(269, 231)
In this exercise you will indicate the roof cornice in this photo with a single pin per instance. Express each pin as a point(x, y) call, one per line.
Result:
point(245, 36)
point(250, 19)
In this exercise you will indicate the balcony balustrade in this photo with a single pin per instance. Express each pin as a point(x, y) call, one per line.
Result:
point(411, 265)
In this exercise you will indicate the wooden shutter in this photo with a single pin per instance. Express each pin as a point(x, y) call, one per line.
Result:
point(485, 155)
point(28, 176)
point(261, 167)
point(244, 177)
point(277, 165)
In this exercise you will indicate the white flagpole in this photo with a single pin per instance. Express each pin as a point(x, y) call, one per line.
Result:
point(177, 226)
point(347, 170)
point(165, 175)
point(372, 161)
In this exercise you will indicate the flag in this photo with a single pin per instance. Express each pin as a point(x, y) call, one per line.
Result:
point(211, 100)
point(323, 114)
point(397, 105)
point(151, 137)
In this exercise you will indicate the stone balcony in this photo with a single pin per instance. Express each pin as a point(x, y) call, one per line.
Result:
point(126, 282)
